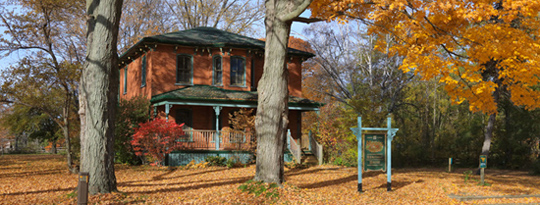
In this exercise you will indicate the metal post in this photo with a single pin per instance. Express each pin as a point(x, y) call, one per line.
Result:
point(389, 155)
point(359, 139)
point(288, 140)
point(82, 195)
point(217, 109)
point(309, 141)
point(167, 109)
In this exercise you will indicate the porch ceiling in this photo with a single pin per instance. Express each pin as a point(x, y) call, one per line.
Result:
point(205, 95)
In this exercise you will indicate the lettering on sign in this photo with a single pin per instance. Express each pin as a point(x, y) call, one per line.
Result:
point(374, 152)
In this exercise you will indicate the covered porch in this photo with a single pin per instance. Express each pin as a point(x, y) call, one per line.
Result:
point(205, 111)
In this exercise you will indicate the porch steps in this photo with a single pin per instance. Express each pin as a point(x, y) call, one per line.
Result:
point(309, 158)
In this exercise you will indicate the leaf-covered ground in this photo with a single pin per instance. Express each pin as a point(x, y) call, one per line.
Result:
point(43, 179)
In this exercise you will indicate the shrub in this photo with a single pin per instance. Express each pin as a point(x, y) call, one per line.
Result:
point(216, 161)
point(230, 163)
point(536, 167)
point(130, 114)
point(156, 139)
point(193, 165)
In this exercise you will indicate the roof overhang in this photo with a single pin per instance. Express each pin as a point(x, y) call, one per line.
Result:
point(205, 95)
point(231, 104)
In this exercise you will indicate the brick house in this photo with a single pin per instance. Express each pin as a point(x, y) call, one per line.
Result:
point(198, 77)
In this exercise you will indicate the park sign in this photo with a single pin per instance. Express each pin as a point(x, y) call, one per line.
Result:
point(374, 150)
point(483, 161)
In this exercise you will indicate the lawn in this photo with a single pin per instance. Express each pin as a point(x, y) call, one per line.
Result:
point(43, 179)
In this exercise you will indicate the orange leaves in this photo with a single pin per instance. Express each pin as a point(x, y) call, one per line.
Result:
point(41, 179)
point(475, 46)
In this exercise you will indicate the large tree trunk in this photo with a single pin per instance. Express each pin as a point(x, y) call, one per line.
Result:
point(272, 111)
point(100, 90)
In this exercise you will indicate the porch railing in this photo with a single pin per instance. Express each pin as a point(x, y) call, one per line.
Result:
point(315, 148)
point(205, 140)
point(294, 148)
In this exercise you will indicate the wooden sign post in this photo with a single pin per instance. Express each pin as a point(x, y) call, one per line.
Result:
point(483, 165)
point(374, 153)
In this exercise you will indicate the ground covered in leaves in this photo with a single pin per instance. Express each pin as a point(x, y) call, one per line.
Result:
point(43, 179)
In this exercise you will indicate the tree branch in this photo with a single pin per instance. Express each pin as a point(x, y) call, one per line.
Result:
point(296, 12)
point(307, 20)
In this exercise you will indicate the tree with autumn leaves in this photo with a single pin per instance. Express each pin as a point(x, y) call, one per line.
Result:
point(483, 51)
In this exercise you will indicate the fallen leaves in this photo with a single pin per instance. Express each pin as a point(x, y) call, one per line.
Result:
point(43, 179)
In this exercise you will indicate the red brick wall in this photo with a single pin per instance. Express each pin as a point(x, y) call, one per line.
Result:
point(161, 71)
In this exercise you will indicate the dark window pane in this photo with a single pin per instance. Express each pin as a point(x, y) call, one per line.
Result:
point(184, 116)
point(184, 69)
point(237, 71)
point(125, 80)
point(217, 70)
point(143, 71)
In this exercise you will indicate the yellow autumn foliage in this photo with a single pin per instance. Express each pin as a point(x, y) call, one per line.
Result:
point(473, 46)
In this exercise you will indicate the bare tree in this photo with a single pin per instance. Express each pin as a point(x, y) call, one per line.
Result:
point(237, 16)
point(142, 18)
point(366, 79)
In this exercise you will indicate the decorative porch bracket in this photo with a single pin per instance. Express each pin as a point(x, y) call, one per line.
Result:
point(217, 109)
point(391, 132)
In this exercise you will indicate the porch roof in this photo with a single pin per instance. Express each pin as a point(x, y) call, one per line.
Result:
point(206, 95)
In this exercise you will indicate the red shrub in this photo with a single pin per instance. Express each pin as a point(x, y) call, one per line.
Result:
point(156, 138)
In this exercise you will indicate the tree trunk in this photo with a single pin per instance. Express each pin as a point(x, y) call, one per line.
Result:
point(53, 147)
point(69, 155)
point(489, 134)
point(100, 87)
point(272, 111)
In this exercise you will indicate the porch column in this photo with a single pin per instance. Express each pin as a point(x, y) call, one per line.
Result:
point(217, 109)
point(155, 112)
point(167, 109)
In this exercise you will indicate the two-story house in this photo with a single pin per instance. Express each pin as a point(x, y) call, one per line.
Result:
point(198, 77)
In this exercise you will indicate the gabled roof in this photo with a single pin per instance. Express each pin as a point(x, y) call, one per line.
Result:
point(204, 37)
point(211, 94)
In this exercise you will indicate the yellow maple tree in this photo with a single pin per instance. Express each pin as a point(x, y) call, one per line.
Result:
point(480, 49)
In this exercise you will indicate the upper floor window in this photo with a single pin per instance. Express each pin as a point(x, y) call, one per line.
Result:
point(238, 71)
point(184, 69)
point(217, 71)
point(143, 71)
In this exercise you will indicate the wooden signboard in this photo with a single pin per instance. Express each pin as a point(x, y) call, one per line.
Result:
point(374, 152)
